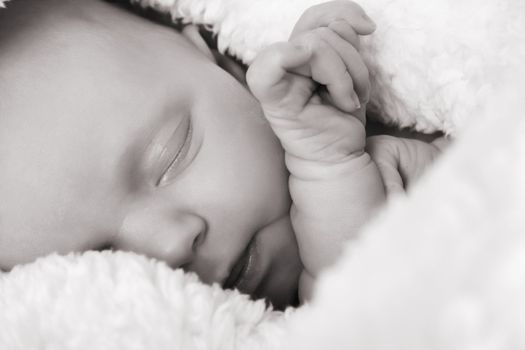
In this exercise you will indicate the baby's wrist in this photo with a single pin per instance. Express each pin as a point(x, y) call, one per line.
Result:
point(326, 170)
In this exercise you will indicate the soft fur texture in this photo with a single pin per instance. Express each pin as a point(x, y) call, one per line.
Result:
point(441, 268)
point(125, 301)
point(431, 62)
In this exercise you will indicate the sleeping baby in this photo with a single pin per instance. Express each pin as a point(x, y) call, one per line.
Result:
point(120, 133)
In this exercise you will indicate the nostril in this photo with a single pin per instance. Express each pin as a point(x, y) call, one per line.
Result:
point(104, 246)
point(185, 267)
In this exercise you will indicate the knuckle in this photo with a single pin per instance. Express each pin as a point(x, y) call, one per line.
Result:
point(342, 26)
point(273, 56)
point(321, 30)
point(314, 40)
point(349, 5)
point(311, 13)
point(324, 32)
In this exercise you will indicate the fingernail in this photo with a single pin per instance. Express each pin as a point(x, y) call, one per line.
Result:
point(368, 19)
point(356, 101)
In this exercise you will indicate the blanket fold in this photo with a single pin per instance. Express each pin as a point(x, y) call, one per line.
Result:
point(430, 63)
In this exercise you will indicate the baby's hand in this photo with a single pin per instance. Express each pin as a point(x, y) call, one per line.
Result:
point(313, 90)
point(402, 161)
point(313, 87)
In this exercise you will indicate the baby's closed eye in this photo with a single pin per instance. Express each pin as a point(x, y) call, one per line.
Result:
point(167, 155)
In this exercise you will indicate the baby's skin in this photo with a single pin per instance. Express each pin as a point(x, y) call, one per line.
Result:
point(334, 184)
point(120, 133)
point(313, 90)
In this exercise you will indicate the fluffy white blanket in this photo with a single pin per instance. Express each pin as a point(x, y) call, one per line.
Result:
point(439, 269)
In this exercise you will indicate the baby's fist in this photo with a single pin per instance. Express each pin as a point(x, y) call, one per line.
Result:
point(313, 87)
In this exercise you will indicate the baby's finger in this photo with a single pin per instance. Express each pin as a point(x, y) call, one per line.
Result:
point(328, 68)
point(353, 62)
point(345, 31)
point(271, 66)
point(383, 153)
point(323, 14)
point(392, 180)
point(360, 113)
point(327, 95)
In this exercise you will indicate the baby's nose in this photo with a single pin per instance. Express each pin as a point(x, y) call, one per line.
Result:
point(170, 237)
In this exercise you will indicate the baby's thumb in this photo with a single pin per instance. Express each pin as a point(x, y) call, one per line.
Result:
point(391, 179)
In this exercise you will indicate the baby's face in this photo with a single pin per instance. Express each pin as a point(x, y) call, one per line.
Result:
point(117, 132)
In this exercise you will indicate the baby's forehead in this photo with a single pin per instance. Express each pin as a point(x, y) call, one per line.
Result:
point(26, 20)
point(66, 57)
point(99, 58)
point(46, 40)
point(66, 82)
point(27, 44)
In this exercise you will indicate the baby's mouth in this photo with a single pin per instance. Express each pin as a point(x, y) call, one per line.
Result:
point(244, 273)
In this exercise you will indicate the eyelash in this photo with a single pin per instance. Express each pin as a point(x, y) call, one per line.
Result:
point(181, 153)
